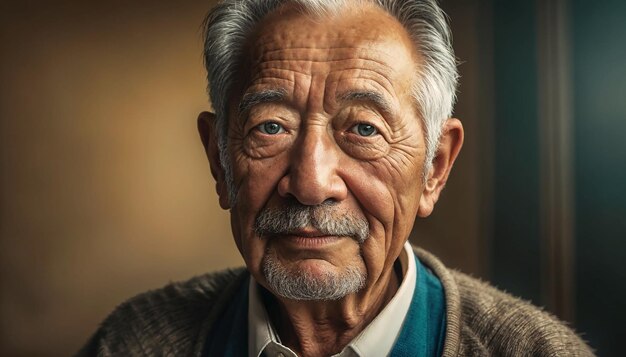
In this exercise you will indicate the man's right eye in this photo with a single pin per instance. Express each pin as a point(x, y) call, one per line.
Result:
point(271, 128)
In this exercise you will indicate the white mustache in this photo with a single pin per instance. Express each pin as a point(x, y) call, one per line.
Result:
point(325, 218)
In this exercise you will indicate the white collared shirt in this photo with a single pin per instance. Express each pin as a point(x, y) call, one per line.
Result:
point(377, 339)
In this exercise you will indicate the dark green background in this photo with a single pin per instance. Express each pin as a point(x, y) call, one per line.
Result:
point(597, 31)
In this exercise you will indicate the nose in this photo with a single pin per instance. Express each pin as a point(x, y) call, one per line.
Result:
point(313, 174)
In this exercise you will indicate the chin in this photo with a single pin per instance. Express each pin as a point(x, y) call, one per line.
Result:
point(312, 279)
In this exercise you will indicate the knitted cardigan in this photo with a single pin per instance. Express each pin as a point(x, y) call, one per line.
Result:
point(481, 320)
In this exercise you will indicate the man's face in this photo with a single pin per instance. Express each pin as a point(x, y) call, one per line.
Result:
point(325, 122)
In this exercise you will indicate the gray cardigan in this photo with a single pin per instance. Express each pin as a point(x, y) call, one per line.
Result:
point(481, 320)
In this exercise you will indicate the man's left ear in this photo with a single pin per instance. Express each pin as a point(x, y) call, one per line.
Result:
point(450, 144)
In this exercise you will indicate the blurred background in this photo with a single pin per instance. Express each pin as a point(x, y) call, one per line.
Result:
point(105, 191)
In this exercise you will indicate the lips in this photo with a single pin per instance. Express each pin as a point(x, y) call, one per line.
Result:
point(307, 233)
point(309, 238)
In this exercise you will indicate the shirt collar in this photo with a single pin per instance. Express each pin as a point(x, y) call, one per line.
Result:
point(377, 339)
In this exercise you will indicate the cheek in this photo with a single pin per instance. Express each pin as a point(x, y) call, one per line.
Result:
point(389, 198)
point(256, 182)
point(377, 202)
point(389, 194)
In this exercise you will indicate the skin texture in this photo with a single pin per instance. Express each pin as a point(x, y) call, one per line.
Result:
point(319, 154)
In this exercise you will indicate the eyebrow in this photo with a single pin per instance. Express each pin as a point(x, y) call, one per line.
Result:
point(249, 100)
point(367, 96)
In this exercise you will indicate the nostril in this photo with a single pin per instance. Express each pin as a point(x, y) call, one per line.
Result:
point(313, 185)
point(329, 202)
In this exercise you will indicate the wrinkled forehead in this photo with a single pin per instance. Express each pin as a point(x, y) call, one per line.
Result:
point(364, 42)
point(292, 24)
point(356, 24)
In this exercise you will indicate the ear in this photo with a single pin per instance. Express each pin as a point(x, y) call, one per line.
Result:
point(206, 128)
point(450, 144)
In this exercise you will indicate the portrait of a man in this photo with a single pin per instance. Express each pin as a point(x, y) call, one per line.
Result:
point(331, 131)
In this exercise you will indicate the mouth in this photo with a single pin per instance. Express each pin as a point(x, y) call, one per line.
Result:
point(309, 238)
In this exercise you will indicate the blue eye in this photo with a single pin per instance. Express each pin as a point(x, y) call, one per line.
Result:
point(364, 129)
point(271, 128)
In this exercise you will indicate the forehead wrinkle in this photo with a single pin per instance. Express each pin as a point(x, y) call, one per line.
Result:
point(267, 63)
point(263, 72)
point(273, 75)
point(261, 50)
point(380, 80)
point(368, 75)
point(318, 54)
point(380, 73)
point(269, 79)
point(278, 28)
point(364, 59)
point(280, 32)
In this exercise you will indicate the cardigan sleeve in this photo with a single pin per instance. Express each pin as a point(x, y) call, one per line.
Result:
point(170, 321)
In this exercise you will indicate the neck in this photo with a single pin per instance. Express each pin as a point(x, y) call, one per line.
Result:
point(322, 328)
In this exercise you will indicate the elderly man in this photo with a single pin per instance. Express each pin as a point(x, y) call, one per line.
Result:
point(331, 133)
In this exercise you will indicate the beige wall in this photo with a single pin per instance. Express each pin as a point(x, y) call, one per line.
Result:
point(105, 190)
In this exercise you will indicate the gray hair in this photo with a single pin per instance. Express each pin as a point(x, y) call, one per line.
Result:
point(228, 26)
point(299, 285)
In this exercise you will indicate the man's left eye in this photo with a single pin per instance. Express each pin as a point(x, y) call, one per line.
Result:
point(364, 129)
point(271, 128)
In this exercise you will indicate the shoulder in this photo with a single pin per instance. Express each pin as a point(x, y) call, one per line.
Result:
point(510, 326)
point(170, 320)
point(483, 320)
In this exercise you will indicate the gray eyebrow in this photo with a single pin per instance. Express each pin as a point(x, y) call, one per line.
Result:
point(249, 100)
point(367, 96)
